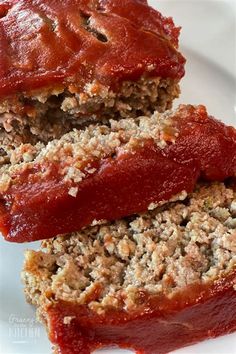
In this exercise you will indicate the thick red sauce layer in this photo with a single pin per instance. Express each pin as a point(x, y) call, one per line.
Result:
point(44, 43)
point(36, 207)
point(158, 325)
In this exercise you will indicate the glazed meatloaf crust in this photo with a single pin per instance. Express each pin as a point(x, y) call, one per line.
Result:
point(152, 282)
point(110, 171)
point(65, 62)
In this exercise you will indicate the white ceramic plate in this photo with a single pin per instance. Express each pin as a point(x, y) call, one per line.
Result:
point(209, 43)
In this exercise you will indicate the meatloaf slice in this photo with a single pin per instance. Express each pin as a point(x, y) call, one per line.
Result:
point(153, 282)
point(63, 63)
point(109, 172)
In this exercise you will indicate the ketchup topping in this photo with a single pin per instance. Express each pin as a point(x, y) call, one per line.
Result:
point(44, 43)
point(36, 207)
point(157, 326)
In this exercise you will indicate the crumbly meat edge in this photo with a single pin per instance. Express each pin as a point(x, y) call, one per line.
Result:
point(48, 114)
point(160, 252)
point(75, 152)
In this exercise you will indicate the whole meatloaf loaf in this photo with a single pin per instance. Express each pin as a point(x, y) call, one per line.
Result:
point(63, 63)
point(105, 172)
point(153, 282)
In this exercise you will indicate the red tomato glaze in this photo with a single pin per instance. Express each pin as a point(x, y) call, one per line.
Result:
point(157, 326)
point(44, 43)
point(35, 208)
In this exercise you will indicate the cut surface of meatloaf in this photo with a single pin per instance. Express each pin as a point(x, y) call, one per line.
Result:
point(108, 172)
point(63, 63)
point(153, 282)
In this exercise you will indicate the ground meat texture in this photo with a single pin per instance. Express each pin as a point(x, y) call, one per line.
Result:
point(110, 171)
point(161, 251)
point(97, 141)
point(49, 117)
point(82, 62)
point(180, 248)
